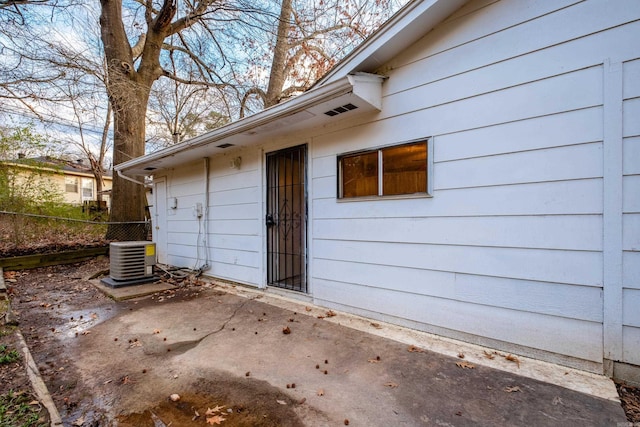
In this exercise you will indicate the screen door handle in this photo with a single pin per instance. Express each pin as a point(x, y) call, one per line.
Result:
point(269, 221)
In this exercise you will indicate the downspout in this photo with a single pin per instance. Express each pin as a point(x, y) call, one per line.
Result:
point(121, 175)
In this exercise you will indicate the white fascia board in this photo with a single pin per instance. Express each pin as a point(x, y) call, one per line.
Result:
point(403, 29)
point(367, 87)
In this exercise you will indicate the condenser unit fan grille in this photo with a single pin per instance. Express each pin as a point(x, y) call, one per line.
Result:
point(131, 260)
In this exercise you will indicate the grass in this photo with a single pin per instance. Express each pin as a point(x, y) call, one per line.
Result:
point(18, 409)
point(8, 355)
point(6, 330)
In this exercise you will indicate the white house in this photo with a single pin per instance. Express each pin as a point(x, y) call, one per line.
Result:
point(471, 170)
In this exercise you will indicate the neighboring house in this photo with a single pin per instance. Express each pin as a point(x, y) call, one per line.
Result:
point(73, 180)
point(471, 170)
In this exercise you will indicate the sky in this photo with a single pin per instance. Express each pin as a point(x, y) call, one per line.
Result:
point(79, 112)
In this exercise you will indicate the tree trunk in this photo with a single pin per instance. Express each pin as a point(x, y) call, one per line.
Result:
point(128, 94)
point(278, 65)
point(128, 199)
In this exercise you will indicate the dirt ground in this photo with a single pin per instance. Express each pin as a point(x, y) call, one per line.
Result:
point(57, 306)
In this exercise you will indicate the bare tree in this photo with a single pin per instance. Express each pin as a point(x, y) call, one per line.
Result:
point(63, 86)
point(179, 111)
point(95, 153)
point(310, 38)
point(241, 49)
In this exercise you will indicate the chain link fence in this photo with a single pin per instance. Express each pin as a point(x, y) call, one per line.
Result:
point(22, 233)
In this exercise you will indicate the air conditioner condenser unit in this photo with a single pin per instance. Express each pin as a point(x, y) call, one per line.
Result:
point(131, 263)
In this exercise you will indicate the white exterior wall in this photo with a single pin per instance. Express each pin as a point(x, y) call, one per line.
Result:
point(631, 213)
point(235, 212)
point(186, 185)
point(510, 250)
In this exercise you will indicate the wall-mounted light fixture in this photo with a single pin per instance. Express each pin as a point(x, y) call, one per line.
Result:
point(173, 203)
point(235, 163)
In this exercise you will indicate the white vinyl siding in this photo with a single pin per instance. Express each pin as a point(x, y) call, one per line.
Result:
point(510, 246)
point(234, 227)
point(631, 213)
point(509, 251)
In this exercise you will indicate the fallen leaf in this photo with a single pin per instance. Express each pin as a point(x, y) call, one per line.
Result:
point(513, 359)
point(282, 402)
point(94, 316)
point(489, 355)
point(320, 392)
point(376, 325)
point(320, 317)
point(461, 355)
point(156, 331)
point(34, 402)
point(78, 422)
point(86, 332)
point(414, 349)
point(216, 419)
point(308, 308)
point(331, 313)
point(286, 330)
point(465, 365)
point(373, 361)
point(512, 389)
point(391, 384)
point(214, 410)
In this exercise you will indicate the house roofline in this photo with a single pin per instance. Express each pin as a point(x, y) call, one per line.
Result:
point(365, 87)
point(404, 28)
point(352, 73)
point(54, 170)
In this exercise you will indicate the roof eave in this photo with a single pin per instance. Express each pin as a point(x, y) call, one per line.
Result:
point(366, 88)
point(403, 29)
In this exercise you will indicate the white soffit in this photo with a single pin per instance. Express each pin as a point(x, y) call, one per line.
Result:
point(350, 95)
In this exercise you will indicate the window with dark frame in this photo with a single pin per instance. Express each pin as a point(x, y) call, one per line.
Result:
point(388, 171)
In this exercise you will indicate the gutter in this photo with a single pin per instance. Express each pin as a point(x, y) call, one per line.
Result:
point(349, 84)
point(123, 176)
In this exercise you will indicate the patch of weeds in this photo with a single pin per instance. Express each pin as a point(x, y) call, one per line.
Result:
point(8, 355)
point(19, 409)
point(6, 330)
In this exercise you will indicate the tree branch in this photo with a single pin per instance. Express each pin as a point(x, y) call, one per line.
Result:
point(253, 91)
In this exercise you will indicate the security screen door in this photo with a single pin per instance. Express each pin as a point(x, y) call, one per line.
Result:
point(286, 219)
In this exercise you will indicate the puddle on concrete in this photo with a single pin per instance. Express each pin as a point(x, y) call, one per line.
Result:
point(79, 321)
point(191, 410)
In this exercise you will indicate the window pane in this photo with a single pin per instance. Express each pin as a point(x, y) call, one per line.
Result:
point(404, 169)
point(71, 184)
point(87, 189)
point(360, 175)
